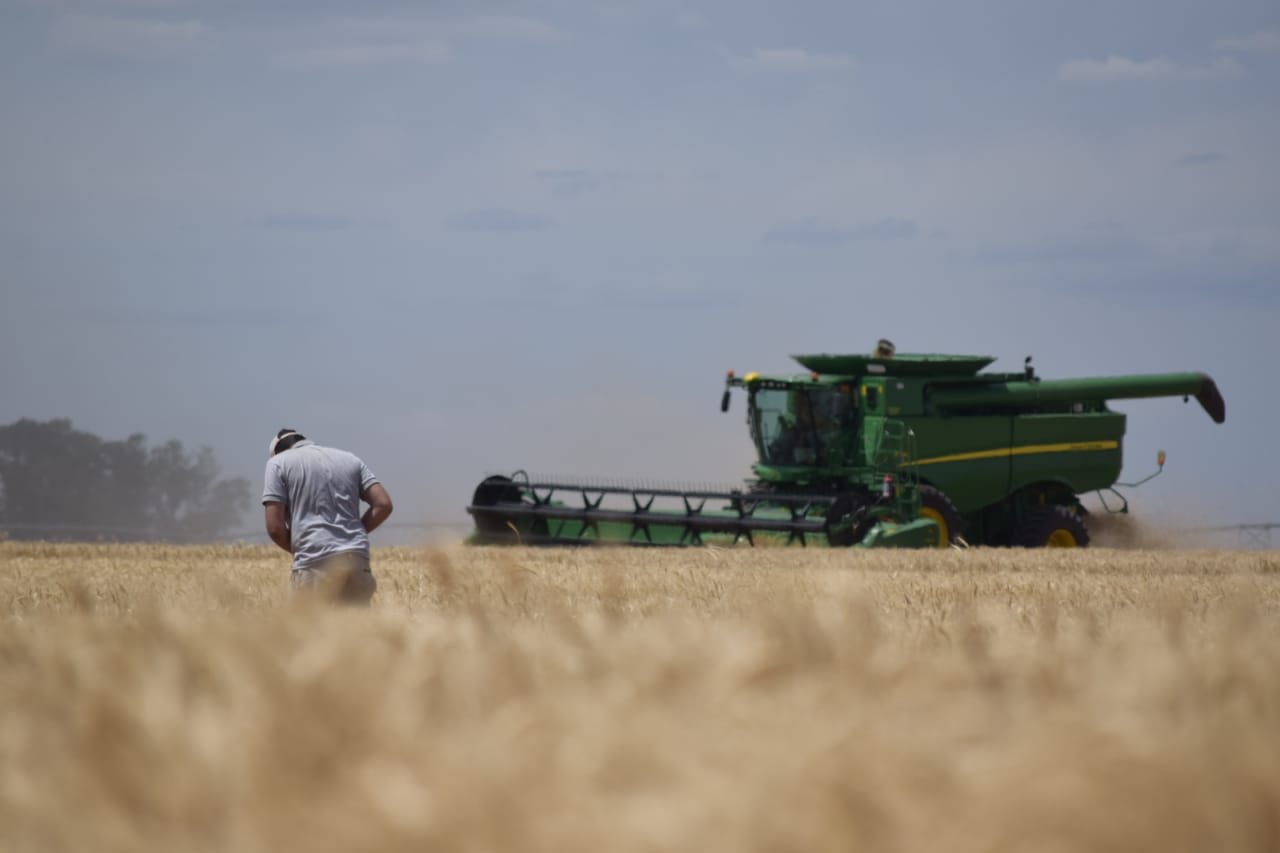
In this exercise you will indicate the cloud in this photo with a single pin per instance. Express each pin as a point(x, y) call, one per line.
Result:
point(1185, 285)
point(305, 222)
point(662, 291)
point(1121, 68)
point(1104, 247)
point(666, 290)
point(103, 37)
point(886, 229)
point(1262, 41)
point(103, 4)
point(1206, 158)
point(118, 315)
point(810, 233)
point(569, 183)
point(504, 26)
point(499, 219)
point(409, 39)
point(412, 27)
point(662, 299)
point(689, 20)
point(795, 59)
point(367, 54)
point(566, 183)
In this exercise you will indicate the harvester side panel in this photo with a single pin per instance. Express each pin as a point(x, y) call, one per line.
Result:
point(967, 458)
point(1081, 451)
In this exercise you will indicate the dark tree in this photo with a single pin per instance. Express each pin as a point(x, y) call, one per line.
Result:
point(59, 482)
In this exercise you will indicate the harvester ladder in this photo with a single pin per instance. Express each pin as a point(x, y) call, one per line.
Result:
point(895, 451)
point(895, 454)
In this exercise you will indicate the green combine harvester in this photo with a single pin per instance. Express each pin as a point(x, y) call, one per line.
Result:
point(867, 451)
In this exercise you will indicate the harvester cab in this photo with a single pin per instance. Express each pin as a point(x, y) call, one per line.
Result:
point(804, 428)
point(820, 435)
point(913, 450)
point(801, 422)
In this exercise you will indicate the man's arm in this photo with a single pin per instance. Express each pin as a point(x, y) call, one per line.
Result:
point(277, 526)
point(379, 506)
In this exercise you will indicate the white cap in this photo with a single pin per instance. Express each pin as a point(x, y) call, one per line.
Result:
point(275, 442)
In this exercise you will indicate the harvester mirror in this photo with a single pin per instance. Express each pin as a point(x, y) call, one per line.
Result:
point(724, 401)
point(1159, 470)
point(1028, 369)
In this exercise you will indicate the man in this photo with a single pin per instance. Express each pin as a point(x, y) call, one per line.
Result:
point(312, 497)
point(884, 349)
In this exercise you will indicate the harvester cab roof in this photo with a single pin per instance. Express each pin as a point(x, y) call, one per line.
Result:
point(852, 367)
point(902, 364)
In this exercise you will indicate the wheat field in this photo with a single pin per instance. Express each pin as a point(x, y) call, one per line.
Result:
point(175, 698)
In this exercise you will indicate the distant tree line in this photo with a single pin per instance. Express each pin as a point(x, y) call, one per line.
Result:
point(57, 482)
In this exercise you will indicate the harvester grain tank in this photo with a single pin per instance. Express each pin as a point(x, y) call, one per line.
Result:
point(910, 450)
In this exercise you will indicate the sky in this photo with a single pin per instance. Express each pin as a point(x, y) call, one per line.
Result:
point(466, 238)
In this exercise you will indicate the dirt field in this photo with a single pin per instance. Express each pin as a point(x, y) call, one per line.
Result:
point(158, 698)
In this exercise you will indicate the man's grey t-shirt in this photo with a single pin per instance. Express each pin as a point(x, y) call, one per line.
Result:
point(321, 489)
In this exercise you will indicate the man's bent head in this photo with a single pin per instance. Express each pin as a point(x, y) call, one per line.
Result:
point(285, 439)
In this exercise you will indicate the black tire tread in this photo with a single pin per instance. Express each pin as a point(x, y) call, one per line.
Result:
point(936, 499)
point(1041, 521)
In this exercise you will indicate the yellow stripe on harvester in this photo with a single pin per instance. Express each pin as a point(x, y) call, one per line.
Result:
point(1026, 450)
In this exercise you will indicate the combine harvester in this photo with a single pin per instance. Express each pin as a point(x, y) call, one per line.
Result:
point(908, 451)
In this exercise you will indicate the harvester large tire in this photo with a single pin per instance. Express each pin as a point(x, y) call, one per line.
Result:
point(938, 508)
point(1051, 526)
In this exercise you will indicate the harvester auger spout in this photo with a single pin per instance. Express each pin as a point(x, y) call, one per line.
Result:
point(914, 450)
point(1034, 392)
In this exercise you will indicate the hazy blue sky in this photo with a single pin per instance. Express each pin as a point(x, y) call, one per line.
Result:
point(459, 238)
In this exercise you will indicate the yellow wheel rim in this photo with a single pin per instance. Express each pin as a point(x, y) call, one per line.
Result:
point(1062, 539)
point(944, 535)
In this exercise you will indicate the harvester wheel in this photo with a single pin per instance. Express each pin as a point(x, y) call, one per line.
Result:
point(494, 490)
point(1051, 526)
point(499, 490)
point(938, 508)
